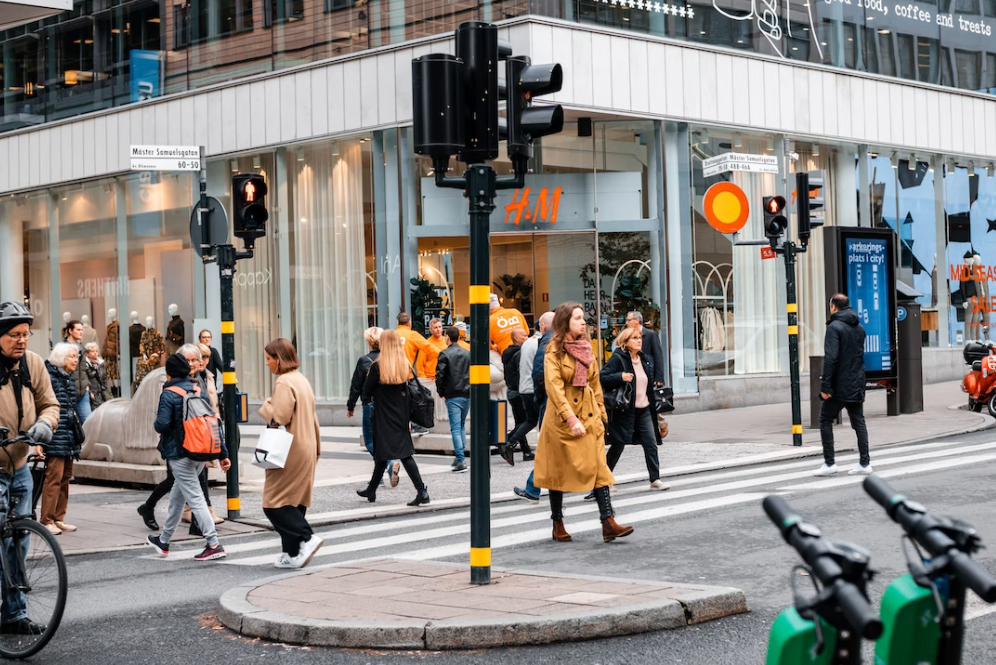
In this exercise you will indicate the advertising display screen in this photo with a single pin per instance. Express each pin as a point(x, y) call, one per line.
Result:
point(868, 286)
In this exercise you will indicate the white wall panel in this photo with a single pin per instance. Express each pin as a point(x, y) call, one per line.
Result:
point(755, 77)
point(174, 135)
point(979, 120)
point(187, 120)
point(319, 89)
point(13, 162)
point(200, 127)
point(933, 121)
point(541, 44)
point(563, 47)
point(99, 148)
point(870, 109)
point(920, 118)
point(230, 118)
point(351, 91)
point(829, 104)
point(990, 120)
point(243, 128)
point(907, 118)
point(692, 87)
point(272, 118)
point(639, 77)
point(708, 97)
point(76, 170)
point(581, 73)
point(619, 59)
point(302, 105)
point(368, 94)
point(772, 103)
point(403, 82)
point(802, 98)
point(740, 91)
point(118, 143)
point(161, 124)
point(856, 109)
point(337, 113)
point(944, 106)
point(723, 90)
point(256, 115)
point(44, 156)
point(214, 121)
point(5, 165)
point(601, 70)
point(844, 108)
point(674, 82)
point(387, 93)
point(288, 114)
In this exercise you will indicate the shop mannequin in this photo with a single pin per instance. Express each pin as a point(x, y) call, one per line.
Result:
point(89, 334)
point(152, 352)
point(174, 330)
point(66, 318)
point(982, 286)
point(110, 352)
point(970, 299)
point(135, 331)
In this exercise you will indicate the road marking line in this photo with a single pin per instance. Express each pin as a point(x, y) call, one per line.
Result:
point(921, 468)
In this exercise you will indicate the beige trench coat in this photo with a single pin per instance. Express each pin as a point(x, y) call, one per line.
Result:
point(565, 462)
point(293, 406)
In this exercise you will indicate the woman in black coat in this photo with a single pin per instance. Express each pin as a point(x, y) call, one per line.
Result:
point(636, 423)
point(66, 442)
point(372, 337)
point(387, 386)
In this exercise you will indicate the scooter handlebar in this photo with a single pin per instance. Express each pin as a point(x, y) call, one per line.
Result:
point(974, 576)
point(858, 611)
point(881, 492)
point(780, 514)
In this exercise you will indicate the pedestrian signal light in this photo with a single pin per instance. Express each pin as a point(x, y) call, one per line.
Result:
point(526, 81)
point(249, 203)
point(775, 221)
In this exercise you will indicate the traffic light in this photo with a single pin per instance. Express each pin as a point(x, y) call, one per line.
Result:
point(524, 82)
point(775, 222)
point(437, 95)
point(817, 180)
point(802, 205)
point(477, 47)
point(249, 206)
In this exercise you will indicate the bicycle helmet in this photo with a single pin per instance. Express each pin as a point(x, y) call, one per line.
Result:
point(14, 313)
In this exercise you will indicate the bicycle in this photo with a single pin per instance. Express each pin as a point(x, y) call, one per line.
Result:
point(37, 573)
point(923, 611)
point(826, 629)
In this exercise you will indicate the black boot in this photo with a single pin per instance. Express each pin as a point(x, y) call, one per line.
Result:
point(610, 529)
point(421, 498)
point(527, 452)
point(148, 516)
point(370, 493)
point(604, 503)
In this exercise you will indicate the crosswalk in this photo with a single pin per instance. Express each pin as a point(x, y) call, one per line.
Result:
point(446, 534)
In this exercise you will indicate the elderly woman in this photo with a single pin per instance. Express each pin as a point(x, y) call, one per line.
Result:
point(66, 442)
point(287, 491)
point(636, 423)
point(93, 366)
point(570, 456)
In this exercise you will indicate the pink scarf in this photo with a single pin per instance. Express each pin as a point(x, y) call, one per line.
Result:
point(580, 350)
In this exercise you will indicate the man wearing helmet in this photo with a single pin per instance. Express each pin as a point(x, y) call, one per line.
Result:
point(27, 402)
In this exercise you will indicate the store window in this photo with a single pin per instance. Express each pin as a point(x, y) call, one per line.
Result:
point(25, 274)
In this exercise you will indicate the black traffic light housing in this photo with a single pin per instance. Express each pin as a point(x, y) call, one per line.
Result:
point(524, 82)
point(249, 206)
point(802, 206)
point(775, 221)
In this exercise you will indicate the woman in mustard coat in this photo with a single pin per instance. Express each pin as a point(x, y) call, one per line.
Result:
point(571, 452)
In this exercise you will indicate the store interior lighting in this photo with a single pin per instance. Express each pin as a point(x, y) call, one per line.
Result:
point(256, 163)
point(989, 170)
point(895, 161)
point(911, 163)
point(816, 150)
point(235, 165)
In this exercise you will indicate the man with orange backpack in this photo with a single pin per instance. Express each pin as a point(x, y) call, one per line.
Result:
point(186, 458)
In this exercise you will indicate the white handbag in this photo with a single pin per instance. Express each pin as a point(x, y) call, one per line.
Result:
point(272, 448)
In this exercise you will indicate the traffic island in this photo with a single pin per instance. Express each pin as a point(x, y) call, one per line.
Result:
point(399, 604)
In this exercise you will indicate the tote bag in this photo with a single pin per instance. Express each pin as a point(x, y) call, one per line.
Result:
point(272, 448)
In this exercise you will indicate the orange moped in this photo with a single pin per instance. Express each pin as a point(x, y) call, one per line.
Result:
point(980, 383)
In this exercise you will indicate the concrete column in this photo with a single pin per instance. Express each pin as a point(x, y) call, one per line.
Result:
point(12, 266)
point(944, 337)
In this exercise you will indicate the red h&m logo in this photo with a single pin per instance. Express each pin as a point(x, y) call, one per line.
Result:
point(546, 208)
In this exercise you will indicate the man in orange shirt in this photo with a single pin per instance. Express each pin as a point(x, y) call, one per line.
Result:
point(426, 365)
point(462, 327)
point(503, 322)
point(415, 345)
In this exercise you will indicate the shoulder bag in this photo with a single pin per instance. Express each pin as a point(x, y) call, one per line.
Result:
point(421, 408)
point(663, 400)
point(619, 398)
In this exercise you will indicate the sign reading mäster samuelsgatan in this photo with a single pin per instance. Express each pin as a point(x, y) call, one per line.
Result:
point(165, 158)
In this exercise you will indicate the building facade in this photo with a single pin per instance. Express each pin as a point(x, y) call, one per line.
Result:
point(891, 102)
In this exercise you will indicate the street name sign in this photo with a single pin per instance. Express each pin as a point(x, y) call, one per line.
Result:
point(165, 158)
point(735, 161)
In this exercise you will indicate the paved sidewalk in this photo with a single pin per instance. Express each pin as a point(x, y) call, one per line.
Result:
point(399, 604)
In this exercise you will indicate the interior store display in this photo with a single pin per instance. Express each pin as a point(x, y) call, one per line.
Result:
point(135, 331)
point(89, 334)
point(174, 330)
point(151, 353)
point(110, 350)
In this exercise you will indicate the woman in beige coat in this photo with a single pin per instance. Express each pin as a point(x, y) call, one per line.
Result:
point(287, 491)
point(570, 456)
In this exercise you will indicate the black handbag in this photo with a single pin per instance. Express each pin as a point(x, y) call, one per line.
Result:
point(619, 398)
point(78, 435)
point(421, 408)
point(663, 400)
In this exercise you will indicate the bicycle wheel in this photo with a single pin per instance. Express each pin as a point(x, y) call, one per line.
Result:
point(42, 580)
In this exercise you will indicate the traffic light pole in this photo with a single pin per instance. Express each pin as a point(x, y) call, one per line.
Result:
point(792, 308)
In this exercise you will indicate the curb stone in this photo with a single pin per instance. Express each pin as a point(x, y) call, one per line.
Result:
point(695, 604)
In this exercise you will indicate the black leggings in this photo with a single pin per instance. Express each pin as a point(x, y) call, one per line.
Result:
point(411, 468)
point(293, 528)
point(163, 488)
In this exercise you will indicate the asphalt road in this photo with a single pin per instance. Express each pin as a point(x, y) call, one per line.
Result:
point(125, 607)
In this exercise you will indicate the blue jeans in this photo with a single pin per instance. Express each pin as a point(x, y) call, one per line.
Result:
point(457, 409)
point(531, 489)
point(83, 408)
point(19, 486)
point(368, 432)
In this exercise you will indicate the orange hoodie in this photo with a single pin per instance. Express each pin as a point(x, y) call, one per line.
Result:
point(503, 322)
point(426, 364)
point(414, 343)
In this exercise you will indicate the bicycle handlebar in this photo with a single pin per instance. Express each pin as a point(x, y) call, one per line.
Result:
point(819, 556)
point(927, 531)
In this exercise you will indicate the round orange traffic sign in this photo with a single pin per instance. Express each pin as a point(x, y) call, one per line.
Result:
point(726, 207)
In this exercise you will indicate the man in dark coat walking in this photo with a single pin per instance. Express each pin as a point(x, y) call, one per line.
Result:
point(843, 384)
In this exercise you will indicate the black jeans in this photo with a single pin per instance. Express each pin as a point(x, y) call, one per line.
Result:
point(293, 528)
point(856, 412)
point(643, 427)
point(163, 488)
point(411, 468)
point(518, 409)
point(527, 424)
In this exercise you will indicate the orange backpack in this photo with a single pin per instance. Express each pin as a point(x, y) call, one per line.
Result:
point(202, 437)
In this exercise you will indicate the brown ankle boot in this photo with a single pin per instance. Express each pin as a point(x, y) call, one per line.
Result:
point(611, 530)
point(560, 533)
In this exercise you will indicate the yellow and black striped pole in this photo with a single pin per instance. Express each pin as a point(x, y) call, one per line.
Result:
point(481, 190)
point(792, 309)
point(226, 266)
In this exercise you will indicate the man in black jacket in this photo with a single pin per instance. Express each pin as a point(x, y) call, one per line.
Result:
point(453, 385)
point(843, 384)
point(651, 345)
point(510, 360)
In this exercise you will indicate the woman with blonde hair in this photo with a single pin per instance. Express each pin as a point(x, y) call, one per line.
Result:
point(570, 456)
point(387, 386)
point(372, 338)
point(287, 491)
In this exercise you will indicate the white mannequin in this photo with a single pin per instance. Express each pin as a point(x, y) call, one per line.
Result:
point(89, 334)
point(173, 310)
point(66, 317)
point(149, 322)
point(112, 315)
point(134, 317)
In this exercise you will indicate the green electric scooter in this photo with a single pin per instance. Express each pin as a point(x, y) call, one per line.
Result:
point(923, 612)
point(827, 628)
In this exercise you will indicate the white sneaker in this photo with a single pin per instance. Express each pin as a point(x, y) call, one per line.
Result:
point(308, 550)
point(859, 470)
point(283, 561)
point(659, 485)
point(825, 470)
